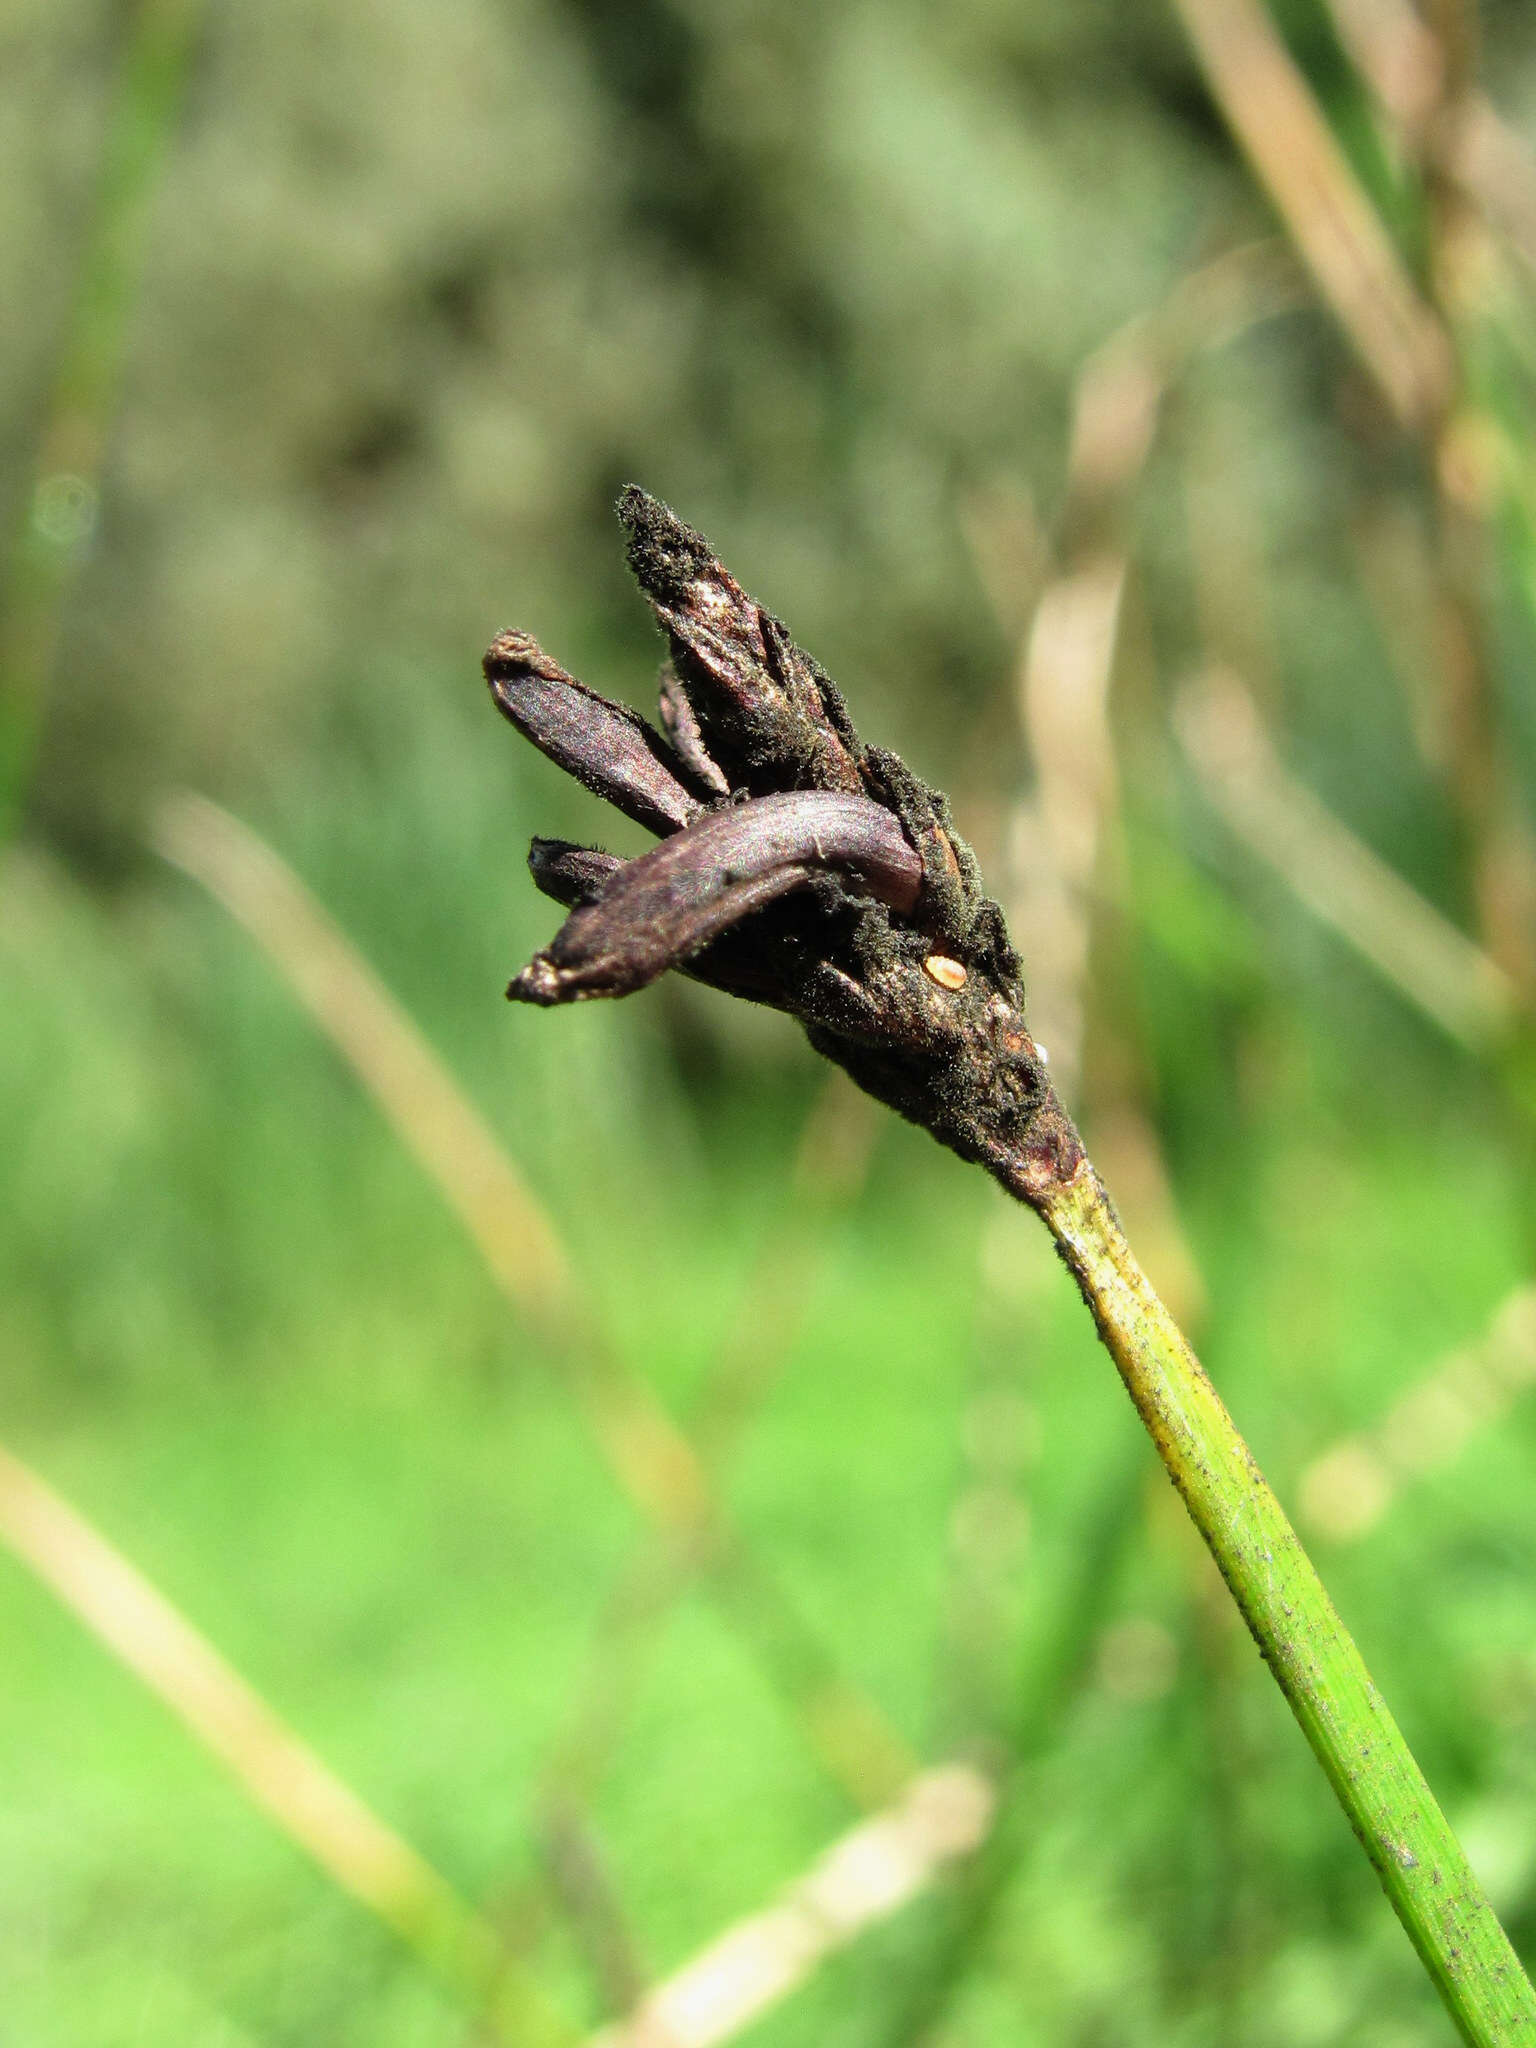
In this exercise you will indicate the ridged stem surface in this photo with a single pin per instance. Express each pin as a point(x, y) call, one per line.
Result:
point(1307, 1647)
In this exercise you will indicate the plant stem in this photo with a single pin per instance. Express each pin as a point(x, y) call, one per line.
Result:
point(1299, 1634)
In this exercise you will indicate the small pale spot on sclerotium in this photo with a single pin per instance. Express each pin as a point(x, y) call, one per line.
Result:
point(947, 973)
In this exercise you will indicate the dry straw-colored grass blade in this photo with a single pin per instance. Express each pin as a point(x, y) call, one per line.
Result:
point(1276, 119)
point(1464, 175)
point(423, 1105)
point(1432, 112)
point(899, 1851)
point(1068, 654)
point(866, 1876)
point(1337, 876)
point(274, 1766)
point(654, 1460)
point(1348, 1488)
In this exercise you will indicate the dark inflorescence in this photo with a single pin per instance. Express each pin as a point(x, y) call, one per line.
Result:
point(796, 866)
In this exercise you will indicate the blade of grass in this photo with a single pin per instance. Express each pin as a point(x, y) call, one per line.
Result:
point(1460, 260)
point(1340, 879)
point(1068, 655)
point(1420, 351)
point(1403, 61)
point(1271, 110)
point(865, 1877)
point(1347, 1489)
point(274, 1767)
point(420, 1101)
point(653, 1459)
point(578, 1872)
point(58, 513)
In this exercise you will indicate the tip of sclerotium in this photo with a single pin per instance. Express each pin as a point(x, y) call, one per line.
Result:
point(665, 555)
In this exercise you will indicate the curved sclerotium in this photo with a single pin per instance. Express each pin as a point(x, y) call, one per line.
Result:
point(606, 746)
point(659, 910)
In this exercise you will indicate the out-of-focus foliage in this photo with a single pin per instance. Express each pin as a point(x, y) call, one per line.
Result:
point(426, 285)
point(423, 285)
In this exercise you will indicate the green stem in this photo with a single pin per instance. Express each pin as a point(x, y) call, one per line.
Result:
point(1299, 1634)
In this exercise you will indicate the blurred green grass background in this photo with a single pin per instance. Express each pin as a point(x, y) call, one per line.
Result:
point(412, 292)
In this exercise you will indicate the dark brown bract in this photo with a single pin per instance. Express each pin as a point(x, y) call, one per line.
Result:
point(797, 866)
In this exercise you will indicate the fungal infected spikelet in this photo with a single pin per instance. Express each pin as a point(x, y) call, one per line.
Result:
point(796, 867)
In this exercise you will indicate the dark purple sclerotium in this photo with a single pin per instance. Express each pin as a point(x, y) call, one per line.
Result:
point(797, 866)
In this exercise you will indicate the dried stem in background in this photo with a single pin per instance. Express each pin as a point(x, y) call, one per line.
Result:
point(1435, 106)
point(1416, 347)
point(654, 1461)
point(1347, 1489)
point(1065, 835)
point(863, 1878)
point(275, 1768)
point(868, 1875)
point(420, 1101)
point(1336, 230)
point(1063, 845)
point(524, 1253)
point(1067, 660)
point(1461, 259)
point(1335, 874)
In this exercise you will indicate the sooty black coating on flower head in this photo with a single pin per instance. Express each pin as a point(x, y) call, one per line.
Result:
point(666, 556)
point(797, 867)
point(768, 715)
